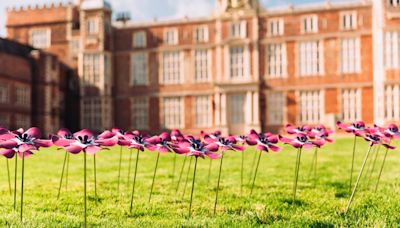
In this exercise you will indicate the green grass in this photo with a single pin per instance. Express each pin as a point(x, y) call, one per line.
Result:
point(270, 205)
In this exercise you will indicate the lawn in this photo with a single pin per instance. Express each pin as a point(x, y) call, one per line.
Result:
point(270, 205)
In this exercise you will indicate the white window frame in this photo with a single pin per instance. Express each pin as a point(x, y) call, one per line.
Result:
point(276, 27)
point(202, 111)
point(202, 65)
point(140, 113)
point(311, 106)
point(173, 112)
point(310, 58)
point(392, 102)
point(276, 60)
point(348, 20)
point(91, 69)
point(43, 39)
point(171, 71)
point(309, 24)
point(276, 103)
point(237, 108)
point(350, 55)
point(22, 121)
point(231, 59)
point(394, 3)
point(92, 113)
point(139, 39)
point(392, 49)
point(23, 96)
point(350, 104)
point(171, 36)
point(5, 120)
point(200, 34)
point(92, 26)
point(4, 94)
point(139, 70)
point(238, 29)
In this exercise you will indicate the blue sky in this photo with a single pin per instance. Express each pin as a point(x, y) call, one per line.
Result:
point(142, 10)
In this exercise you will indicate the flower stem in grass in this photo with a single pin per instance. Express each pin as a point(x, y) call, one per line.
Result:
point(380, 171)
point(219, 180)
point(209, 171)
point(241, 175)
point(187, 177)
point(312, 168)
point(373, 165)
point(66, 174)
point(8, 174)
point(255, 173)
point(173, 169)
point(119, 168)
point(296, 175)
point(154, 176)
point(180, 175)
point(129, 167)
point(84, 187)
point(352, 164)
point(62, 175)
point(134, 180)
point(15, 182)
point(95, 176)
point(252, 165)
point(22, 184)
point(193, 181)
point(358, 179)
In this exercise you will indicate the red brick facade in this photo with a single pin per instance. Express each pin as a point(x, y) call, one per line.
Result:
point(262, 67)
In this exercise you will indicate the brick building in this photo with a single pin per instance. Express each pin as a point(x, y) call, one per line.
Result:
point(245, 66)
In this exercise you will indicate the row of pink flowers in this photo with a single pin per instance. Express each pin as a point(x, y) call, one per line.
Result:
point(206, 145)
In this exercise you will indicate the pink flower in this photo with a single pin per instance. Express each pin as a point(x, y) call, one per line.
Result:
point(63, 138)
point(376, 139)
point(301, 141)
point(136, 140)
point(357, 128)
point(290, 129)
point(264, 141)
point(160, 143)
point(229, 143)
point(194, 147)
point(22, 142)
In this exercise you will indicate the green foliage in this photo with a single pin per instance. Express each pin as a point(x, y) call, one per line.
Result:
point(320, 206)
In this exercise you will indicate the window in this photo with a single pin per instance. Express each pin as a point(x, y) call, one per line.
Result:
point(392, 102)
point(22, 121)
point(171, 67)
point(140, 113)
point(40, 38)
point(238, 29)
point(23, 96)
point(173, 112)
point(4, 94)
point(139, 39)
point(92, 26)
point(4, 120)
point(75, 47)
point(276, 57)
point(92, 113)
point(139, 69)
point(201, 65)
point(237, 108)
point(275, 27)
point(310, 58)
point(394, 3)
point(348, 20)
point(171, 37)
point(202, 111)
point(200, 34)
point(392, 50)
point(311, 107)
point(275, 106)
point(350, 55)
point(309, 24)
point(351, 105)
point(91, 69)
point(238, 65)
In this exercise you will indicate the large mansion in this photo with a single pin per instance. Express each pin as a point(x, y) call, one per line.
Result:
point(246, 66)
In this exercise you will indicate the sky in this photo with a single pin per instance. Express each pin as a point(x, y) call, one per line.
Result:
point(145, 10)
